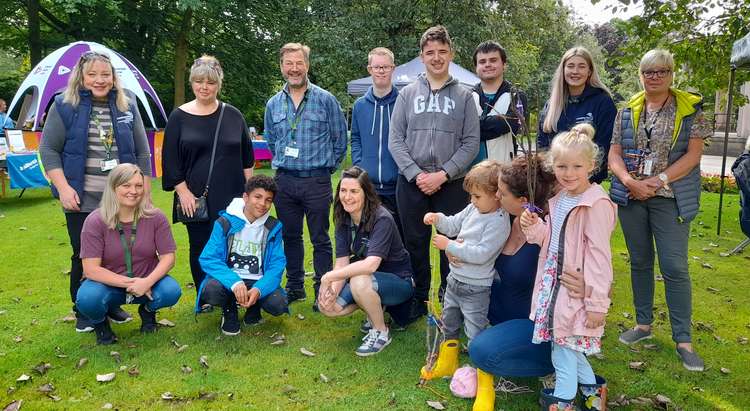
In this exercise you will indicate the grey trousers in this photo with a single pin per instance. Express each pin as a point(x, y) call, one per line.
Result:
point(646, 222)
point(465, 303)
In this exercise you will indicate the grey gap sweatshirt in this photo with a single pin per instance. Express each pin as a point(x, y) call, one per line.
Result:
point(483, 235)
point(434, 131)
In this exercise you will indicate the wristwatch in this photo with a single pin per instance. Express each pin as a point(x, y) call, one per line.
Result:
point(664, 179)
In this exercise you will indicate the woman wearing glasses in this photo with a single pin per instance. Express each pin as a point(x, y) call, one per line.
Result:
point(93, 126)
point(657, 145)
point(188, 152)
point(577, 95)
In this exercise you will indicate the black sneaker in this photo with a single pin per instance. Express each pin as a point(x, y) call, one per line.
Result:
point(253, 316)
point(104, 334)
point(418, 310)
point(295, 294)
point(315, 307)
point(83, 324)
point(148, 319)
point(119, 316)
point(230, 321)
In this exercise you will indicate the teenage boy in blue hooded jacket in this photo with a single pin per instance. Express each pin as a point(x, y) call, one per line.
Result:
point(244, 259)
point(371, 118)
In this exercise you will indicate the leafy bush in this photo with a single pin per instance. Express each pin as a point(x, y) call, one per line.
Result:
point(712, 183)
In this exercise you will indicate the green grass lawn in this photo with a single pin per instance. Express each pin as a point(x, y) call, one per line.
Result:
point(248, 372)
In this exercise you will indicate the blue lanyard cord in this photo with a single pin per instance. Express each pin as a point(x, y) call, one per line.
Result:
point(127, 248)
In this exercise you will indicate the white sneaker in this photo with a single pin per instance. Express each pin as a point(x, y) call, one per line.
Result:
point(373, 343)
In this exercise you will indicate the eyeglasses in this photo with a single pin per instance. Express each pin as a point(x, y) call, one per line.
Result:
point(380, 68)
point(652, 74)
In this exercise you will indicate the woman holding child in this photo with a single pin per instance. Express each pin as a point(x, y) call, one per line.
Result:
point(372, 266)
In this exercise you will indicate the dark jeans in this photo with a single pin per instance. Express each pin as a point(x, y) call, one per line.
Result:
point(413, 204)
point(96, 299)
point(655, 221)
point(198, 235)
point(389, 202)
point(216, 294)
point(300, 198)
point(74, 223)
point(506, 350)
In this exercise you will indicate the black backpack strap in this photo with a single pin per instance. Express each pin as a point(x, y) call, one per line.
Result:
point(226, 225)
point(270, 223)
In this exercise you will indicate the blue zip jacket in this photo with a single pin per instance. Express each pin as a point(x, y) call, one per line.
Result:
point(371, 120)
point(593, 106)
point(214, 257)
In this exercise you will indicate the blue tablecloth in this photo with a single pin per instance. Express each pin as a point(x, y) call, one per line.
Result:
point(25, 171)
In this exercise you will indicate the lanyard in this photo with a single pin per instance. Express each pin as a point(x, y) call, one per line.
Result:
point(297, 116)
point(650, 129)
point(128, 248)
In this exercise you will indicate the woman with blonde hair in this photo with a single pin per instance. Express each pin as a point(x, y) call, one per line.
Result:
point(205, 139)
point(127, 250)
point(93, 126)
point(577, 95)
point(655, 157)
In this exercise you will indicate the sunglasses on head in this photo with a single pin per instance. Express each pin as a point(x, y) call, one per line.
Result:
point(210, 63)
point(90, 55)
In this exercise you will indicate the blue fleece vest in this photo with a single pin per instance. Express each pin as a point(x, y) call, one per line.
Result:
point(76, 121)
point(687, 190)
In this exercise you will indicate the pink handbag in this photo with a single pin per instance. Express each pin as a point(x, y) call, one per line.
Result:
point(464, 382)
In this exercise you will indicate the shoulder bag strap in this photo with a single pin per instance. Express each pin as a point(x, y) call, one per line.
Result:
point(213, 150)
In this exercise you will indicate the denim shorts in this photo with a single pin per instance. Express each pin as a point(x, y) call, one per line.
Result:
point(392, 289)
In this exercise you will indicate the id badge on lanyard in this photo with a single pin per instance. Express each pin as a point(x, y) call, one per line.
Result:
point(649, 159)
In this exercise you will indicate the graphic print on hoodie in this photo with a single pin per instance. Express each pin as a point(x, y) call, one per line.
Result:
point(246, 253)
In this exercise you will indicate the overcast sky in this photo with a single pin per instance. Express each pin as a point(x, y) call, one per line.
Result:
point(597, 13)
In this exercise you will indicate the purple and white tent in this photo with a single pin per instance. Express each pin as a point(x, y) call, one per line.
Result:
point(50, 77)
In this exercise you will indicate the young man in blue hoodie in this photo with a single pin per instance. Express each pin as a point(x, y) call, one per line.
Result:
point(371, 118)
point(244, 259)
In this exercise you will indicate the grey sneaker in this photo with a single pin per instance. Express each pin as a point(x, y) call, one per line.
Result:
point(635, 335)
point(373, 343)
point(690, 359)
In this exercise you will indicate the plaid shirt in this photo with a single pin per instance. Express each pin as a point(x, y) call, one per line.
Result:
point(321, 132)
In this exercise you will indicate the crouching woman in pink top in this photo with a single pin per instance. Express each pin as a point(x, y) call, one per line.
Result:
point(127, 250)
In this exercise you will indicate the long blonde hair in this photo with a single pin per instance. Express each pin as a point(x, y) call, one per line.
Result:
point(109, 207)
point(559, 92)
point(75, 81)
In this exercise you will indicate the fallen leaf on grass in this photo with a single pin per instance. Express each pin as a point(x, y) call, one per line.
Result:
point(203, 361)
point(663, 400)
point(626, 315)
point(176, 344)
point(724, 254)
point(278, 342)
point(323, 378)
point(123, 368)
point(637, 365)
point(725, 371)
point(116, 356)
point(166, 323)
point(167, 396)
point(81, 363)
point(189, 285)
point(47, 388)
point(185, 369)
point(134, 371)
point(712, 289)
point(698, 389)
point(54, 397)
point(13, 406)
point(68, 318)
point(713, 245)
point(306, 352)
point(42, 368)
point(105, 377)
point(10, 390)
point(2, 312)
point(182, 348)
point(207, 396)
point(18, 338)
point(107, 406)
point(696, 258)
point(652, 347)
point(22, 228)
point(34, 321)
point(659, 277)
point(707, 327)
point(288, 389)
point(742, 340)
point(436, 405)
point(300, 317)
point(23, 378)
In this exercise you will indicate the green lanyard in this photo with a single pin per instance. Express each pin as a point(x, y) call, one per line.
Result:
point(128, 248)
point(297, 117)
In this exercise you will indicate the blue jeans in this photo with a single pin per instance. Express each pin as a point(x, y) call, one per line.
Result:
point(94, 299)
point(571, 368)
point(506, 350)
point(392, 289)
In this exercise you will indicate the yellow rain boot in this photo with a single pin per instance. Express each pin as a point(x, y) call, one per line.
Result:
point(446, 364)
point(485, 400)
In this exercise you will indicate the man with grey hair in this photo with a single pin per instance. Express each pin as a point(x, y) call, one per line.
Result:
point(306, 132)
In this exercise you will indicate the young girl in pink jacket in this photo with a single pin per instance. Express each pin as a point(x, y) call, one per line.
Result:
point(574, 238)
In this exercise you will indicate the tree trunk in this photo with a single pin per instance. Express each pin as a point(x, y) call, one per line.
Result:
point(35, 42)
point(180, 57)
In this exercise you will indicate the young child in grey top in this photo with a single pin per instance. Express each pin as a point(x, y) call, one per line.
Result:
point(481, 230)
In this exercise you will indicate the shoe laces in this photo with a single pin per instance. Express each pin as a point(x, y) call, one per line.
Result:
point(371, 338)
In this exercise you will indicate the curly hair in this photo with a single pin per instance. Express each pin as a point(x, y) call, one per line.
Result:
point(483, 176)
point(515, 176)
point(261, 181)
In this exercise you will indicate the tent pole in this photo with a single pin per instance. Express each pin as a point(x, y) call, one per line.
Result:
point(726, 142)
